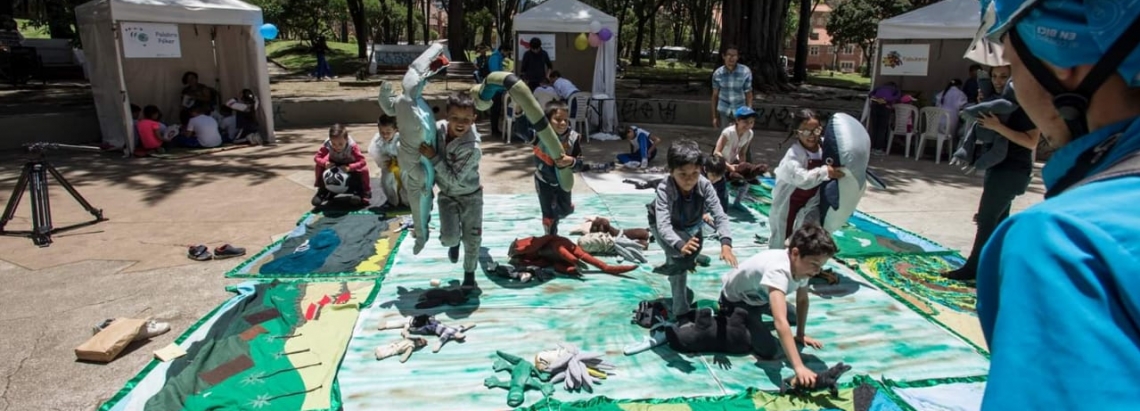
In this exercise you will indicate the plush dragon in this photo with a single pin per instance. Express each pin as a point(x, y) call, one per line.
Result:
point(559, 253)
point(523, 376)
point(548, 140)
point(417, 126)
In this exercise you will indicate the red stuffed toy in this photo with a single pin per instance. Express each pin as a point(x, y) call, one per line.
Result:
point(559, 253)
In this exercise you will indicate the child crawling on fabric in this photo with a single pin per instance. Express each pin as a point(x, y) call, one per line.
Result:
point(340, 151)
point(762, 284)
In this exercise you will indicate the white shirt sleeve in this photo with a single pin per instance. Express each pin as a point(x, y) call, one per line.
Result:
point(778, 278)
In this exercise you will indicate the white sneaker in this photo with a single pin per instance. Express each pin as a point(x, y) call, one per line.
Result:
point(153, 329)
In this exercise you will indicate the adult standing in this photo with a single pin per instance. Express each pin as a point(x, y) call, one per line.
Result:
point(1057, 283)
point(536, 64)
point(1008, 164)
point(883, 99)
point(970, 87)
point(321, 48)
point(495, 63)
point(731, 88)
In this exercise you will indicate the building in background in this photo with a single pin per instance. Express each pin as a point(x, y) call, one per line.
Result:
point(821, 53)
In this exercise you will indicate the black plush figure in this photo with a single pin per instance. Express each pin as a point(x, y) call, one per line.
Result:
point(827, 380)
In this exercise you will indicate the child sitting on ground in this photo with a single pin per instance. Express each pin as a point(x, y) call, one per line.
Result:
point(555, 202)
point(150, 131)
point(201, 130)
point(762, 284)
point(642, 147)
point(383, 150)
point(460, 189)
point(675, 220)
point(340, 151)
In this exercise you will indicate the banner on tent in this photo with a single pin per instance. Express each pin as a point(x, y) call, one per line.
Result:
point(524, 44)
point(150, 40)
point(904, 59)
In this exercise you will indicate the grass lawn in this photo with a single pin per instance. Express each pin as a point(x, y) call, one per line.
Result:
point(32, 32)
point(298, 58)
point(838, 79)
point(673, 71)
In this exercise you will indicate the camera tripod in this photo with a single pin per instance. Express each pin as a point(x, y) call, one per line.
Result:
point(35, 174)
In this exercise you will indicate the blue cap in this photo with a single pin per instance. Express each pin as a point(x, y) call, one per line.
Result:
point(1065, 33)
point(744, 112)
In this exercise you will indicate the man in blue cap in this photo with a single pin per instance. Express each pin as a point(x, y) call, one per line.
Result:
point(1059, 283)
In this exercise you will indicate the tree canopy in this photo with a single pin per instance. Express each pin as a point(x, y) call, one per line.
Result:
point(856, 22)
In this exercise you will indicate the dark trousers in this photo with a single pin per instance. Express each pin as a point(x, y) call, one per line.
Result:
point(496, 113)
point(999, 188)
point(555, 204)
point(880, 126)
point(764, 342)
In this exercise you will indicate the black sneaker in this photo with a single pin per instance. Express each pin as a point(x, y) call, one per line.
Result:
point(228, 251)
point(960, 274)
point(453, 254)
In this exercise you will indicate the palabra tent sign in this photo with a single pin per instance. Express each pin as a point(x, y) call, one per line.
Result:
point(524, 44)
point(904, 59)
point(150, 40)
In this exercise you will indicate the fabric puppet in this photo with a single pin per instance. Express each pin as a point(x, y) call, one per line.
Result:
point(602, 225)
point(523, 376)
point(427, 325)
point(827, 380)
point(994, 144)
point(605, 244)
point(559, 253)
point(576, 369)
point(650, 184)
point(404, 348)
point(523, 274)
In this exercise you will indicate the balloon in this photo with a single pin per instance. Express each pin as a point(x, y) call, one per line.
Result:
point(268, 31)
point(581, 42)
point(594, 40)
point(595, 26)
point(605, 34)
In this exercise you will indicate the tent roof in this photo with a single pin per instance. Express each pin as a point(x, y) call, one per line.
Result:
point(947, 19)
point(562, 16)
point(212, 12)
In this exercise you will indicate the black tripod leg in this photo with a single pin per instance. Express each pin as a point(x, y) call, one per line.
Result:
point(17, 195)
point(41, 207)
point(74, 194)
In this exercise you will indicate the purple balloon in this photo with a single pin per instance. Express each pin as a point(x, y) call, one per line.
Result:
point(605, 34)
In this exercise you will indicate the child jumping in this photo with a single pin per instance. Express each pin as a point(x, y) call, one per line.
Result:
point(555, 202)
point(383, 149)
point(762, 284)
point(341, 151)
point(642, 147)
point(460, 190)
point(798, 177)
point(675, 220)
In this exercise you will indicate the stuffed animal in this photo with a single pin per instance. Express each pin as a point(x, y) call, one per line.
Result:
point(523, 376)
point(827, 380)
point(846, 145)
point(650, 184)
point(578, 370)
point(559, 253)
point(996, 146)
point(603, 225)
point(523, 274)
point(404, 347)
point(427, 325)
point(606, 244)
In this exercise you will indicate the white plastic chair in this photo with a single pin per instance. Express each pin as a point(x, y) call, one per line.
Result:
point(932, 120)
point(544, 97)
point(903, 114)
point(579, 109)
point(511, 112)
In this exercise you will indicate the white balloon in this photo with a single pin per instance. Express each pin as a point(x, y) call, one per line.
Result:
point(595, 26)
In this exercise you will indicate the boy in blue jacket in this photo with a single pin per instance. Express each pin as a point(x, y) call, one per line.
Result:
point(1058, 284)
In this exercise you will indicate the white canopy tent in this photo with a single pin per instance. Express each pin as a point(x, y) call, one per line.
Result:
point(217, 39)
point(574, 17)
point(948, 26)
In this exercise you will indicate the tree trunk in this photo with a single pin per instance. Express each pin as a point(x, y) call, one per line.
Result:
point(487, 30)
point(427, 22)
point(456, 33)
point(356, 11)
point(411, 23)
point(642, 12)
point(802, 35)
point(868, 54)
point(700, 12)
point(652, 40)
point(759, 34)
point(6, 8)
point(60, 18)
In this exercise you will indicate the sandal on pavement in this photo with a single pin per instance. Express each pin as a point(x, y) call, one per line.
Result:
point(227, 251)
point(199, 252)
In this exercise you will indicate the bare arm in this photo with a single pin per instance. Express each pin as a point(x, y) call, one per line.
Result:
point(779, 306)
point(801, 312)
point(719, 150)
point(715, 99)
point(748, 97)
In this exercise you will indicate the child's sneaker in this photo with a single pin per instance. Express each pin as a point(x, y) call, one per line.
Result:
point(227, 251)
point(199, 253)
point(656, 338)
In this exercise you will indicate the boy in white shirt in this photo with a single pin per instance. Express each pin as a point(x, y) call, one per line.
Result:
point(762, 283)
point(201, 130)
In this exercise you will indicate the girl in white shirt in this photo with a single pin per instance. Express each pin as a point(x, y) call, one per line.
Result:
point(735, 139)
